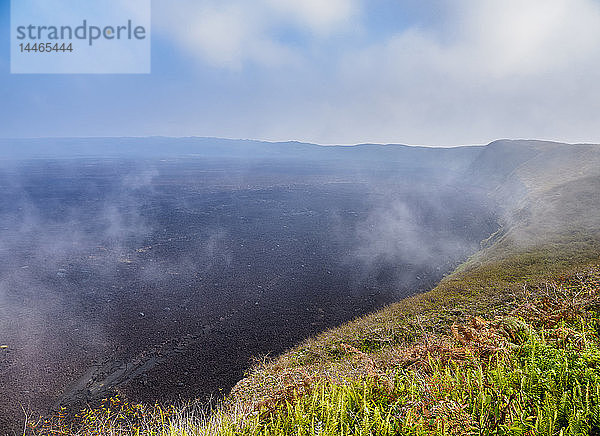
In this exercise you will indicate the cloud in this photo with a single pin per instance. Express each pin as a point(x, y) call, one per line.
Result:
point(484, 69)
point(343, 71)
point(493, 69)
point(320, 17)
point(231, 33)
point(533, 37)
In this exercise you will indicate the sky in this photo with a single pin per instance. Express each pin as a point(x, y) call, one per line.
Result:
point(441, 72)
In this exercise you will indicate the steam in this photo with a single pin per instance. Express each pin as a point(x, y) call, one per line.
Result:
point(49, 248)
point(395, 234)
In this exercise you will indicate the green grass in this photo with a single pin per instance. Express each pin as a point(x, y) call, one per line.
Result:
point(541, 386)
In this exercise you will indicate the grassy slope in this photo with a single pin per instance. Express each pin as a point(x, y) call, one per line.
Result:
point(535, 370)
point(374, 374)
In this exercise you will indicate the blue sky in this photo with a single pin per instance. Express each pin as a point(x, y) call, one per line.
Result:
point(341, 71)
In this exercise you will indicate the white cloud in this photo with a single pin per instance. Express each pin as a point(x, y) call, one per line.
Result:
point(233, 32)
point(529, 37)
point(503, 68)
point(321, 17)
point(489, 69)
point(217, 33)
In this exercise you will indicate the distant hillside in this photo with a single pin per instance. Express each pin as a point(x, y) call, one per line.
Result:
point(549, 196)
point(457, 158)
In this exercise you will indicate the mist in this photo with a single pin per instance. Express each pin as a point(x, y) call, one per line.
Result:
point(163, 277)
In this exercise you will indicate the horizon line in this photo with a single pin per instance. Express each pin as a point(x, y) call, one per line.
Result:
point(291, 141)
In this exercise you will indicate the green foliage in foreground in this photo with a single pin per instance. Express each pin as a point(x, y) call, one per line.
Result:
point(545, 387)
